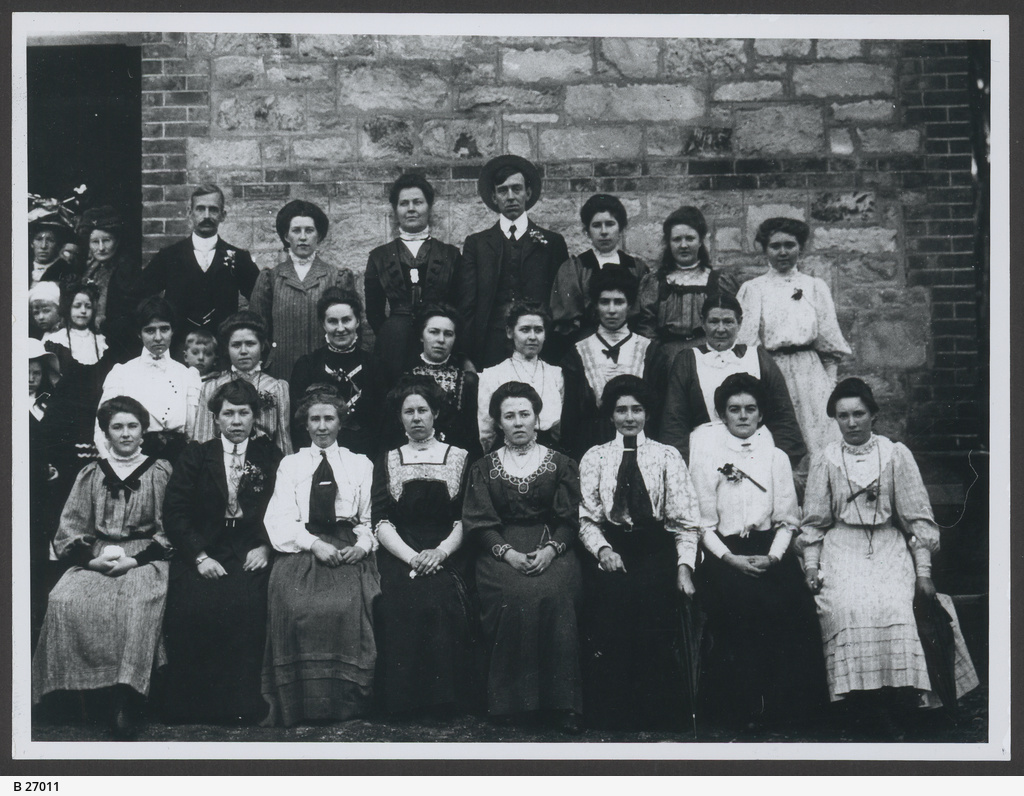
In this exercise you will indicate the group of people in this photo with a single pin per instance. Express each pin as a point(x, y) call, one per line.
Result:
point(516, 503)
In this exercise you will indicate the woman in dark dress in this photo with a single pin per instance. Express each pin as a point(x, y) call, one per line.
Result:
point(522, 509)
point(424, 628)
point(216, 620)
point(764, 664)
point(639, 520)
point(357, 376)
point(413, 270)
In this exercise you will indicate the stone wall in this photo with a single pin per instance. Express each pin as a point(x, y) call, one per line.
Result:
point(868, 141)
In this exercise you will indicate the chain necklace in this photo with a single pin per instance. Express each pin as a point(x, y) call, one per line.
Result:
point(538, 366)
point(872, 497)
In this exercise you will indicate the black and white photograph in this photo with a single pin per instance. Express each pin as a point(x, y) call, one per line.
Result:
point(510, 387)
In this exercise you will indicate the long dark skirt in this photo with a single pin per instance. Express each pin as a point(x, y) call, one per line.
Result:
point(763, 658)
point(215, 631)
point(632, 646)
point(320, 652)
point(530, 623)
point(424, 637)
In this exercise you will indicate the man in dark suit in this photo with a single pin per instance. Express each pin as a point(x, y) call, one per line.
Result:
point(515, 260)
point(202, 275)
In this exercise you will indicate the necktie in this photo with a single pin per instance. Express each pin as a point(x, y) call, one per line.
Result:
point(630, 490)
point(322, 492)
point(512, 233)
point(234, 479)
point(612, 351)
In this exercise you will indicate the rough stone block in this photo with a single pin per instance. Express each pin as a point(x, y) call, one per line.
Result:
point(466, 73)
point(298, 73)
point(864, 111)
point(729, 239)
point(531, 118)
point(839, 49)
point(238, 71)
point(866, 240)
point(518, 142)
point(779, 128)
point(840, 142)
point(274, 151)
point(664, 141)
point(852, 206)
point(334, 45)
point(843, 80)
point(896, 337)
point(748, 91)
point(435, 47)
point(590, 143)
point(708, 141)
point(876, 270)
point(459, 138)
point(634, 102)
point(321, 112)
point(702, 57)
point(392, 89)
point(259, 113)
point(536, 66)
point(313, 151)
point(629, 57)
point(511, 97)
point(386, 137)
point(782, 48)
point(466, 218)
point(216, 154)
point(879, 139)
point(770, 68)
point(758, 213)
point(216, 43)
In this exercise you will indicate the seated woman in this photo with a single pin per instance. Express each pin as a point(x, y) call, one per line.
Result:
point(867, 540)
point(423, 633)
point(611, 351)
point(526, 326)
point(403, 276)
point(244, 339)
point(763, 664)
point(168, 389)
point(639, 520)
point(216, 621)
point(437, 327)
point(320, 654)
point(103, 622)
point(572, 306)
point(357, 376)
point(522, 509)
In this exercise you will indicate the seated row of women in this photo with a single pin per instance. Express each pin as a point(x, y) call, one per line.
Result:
point(566, 579)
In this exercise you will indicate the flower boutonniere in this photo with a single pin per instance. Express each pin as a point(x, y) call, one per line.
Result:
point(538, 237)
point(229, 259)
point(253, 479)
point(797, 294)
point(267, 400)
point(735, 474)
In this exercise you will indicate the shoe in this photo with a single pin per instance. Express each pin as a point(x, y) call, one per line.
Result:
point(124, 726)
point(571, 723)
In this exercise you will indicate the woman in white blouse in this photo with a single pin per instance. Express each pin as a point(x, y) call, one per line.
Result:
point(321, 652)
point(792, 315)
point(764, 664)
point(639, 521)
point(526, 327)
point(167, 389)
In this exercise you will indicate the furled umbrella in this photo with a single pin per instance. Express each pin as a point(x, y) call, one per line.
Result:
point(934, 626)
point(692, 635)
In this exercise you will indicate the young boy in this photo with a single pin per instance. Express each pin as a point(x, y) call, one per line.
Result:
point(44, 309)
point(199, 351)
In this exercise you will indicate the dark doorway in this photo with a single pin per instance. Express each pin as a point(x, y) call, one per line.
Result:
point(84, 126)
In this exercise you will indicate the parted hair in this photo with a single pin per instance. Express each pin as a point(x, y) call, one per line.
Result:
point(721, 301)
point(603, 203)
point(439, 310)
point(625, 385)
point(739, 384)
point(414, 384)
point(204, 190)
point(296, 208)
point(339, 295)
point(521, 308)
point(790, 226)
point(243, 319)
point(613, 279)
point(851, 388)
point(513, 389)
point(121, 403)
point(154, 308)
point(411, 179)
point(319, 394)
point(693, 218)
point(238, 392)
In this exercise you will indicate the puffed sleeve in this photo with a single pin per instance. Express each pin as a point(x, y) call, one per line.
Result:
point(380, 497)
point(749, 297)
point(592, 510)
point(913, 506)
point(262, 300)
point(193, 387)
point(113, 385)
point(785, 511)
point(76, 531)
point(479, 516)
point(682, 513)
point(567, 300)
point(830, 342)
point(705, 484)
point(376, 301)
point(818, 517)
point(677, 419)
point(485, 424)
point(283, 411)
point(160, 548)
point(204, 429)
point(362, 528)
point(283, 520)
point(647, 301)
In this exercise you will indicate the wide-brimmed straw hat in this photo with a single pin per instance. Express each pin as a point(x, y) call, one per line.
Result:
point(485, 183)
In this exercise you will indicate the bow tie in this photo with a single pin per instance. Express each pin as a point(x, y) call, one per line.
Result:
point(612, 351)
point(117, 487)
point(159, 364)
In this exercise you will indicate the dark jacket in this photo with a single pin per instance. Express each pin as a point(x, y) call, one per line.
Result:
point(197, 496)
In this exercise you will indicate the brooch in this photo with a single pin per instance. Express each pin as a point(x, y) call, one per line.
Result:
point(797, 294)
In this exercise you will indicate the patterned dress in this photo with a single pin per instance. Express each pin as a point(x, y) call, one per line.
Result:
point(793, 317)
point(456, 422)
point(857, 499)
point(275, 407)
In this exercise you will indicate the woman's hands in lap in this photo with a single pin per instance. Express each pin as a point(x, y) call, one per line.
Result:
point(112, 564)
point(211, 569)
point(333, 557)
point(520, 562)
point(428, 562)
point(257, 558)
point(539, 560)
point(610, 561)
point(754, 566)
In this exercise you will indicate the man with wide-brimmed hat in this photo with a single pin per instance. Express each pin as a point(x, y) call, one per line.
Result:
point(202, 275)
point(515, 260)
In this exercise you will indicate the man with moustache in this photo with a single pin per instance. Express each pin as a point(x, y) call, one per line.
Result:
point(202, 275)
point(513, 261)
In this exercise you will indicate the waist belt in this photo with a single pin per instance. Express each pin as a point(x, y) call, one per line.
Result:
point(790, 349)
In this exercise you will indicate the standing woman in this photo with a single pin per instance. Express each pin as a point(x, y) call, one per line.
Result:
point(356, 375)
point(286, 295)
point(867, 539)
point(671, 297)
point(792, 316)
point(243, 340)
point(764, 662)
point(424, 636)
point(321, 653)
point(216, 622)
point(522, 509)
point(401, 276)
point(526, 326)
point(104, 619)
point(572, 308)
point(168, 389)
point(639, 520)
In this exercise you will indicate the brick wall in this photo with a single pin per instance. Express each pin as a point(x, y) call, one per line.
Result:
point(866, 140)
